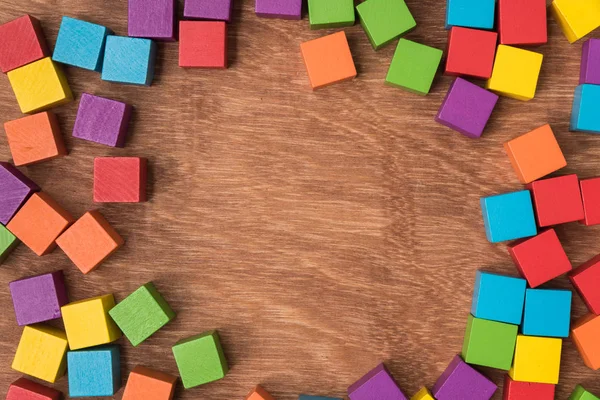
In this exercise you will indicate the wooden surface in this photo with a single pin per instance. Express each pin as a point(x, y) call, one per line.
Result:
point(320, 233)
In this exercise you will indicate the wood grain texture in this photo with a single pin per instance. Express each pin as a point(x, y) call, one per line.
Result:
point(320, 233)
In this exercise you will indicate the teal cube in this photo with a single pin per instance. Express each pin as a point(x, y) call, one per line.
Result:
point(586, 103)
point(470, 13)
point(508, 216)
point(547, 313)
point(129, 60)
point(330, 13)
point(94, 372)
point(8, 242)
point(200, 359)
point(385, 20)
point(414, 66)
point(498, 298)
point(489, 343)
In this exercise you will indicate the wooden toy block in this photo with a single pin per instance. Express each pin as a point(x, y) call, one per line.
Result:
point(41, 353)
point(508, 216)
point(328, 60)
point(413, 66)
point(489, 343)
point(39, 86)
point(148, 384)
point(498, 298)
point(307, 397)
point(471, 52)
point(514, 390)
point(584, 116)
point(213, 10)
point(535, 154)
point(200, 359)
point(330, 13)
point(15, 189)
point(129, 60)
point(94, 372)
point(470, 13)
point(376, 384)
point(516, 72)
point(590, 195)
point(522, 22)
point(557, 200)
point(202, 44)
point(38, 298)
point(102, 120)
point(537, 360)
point(80, 44)
point(461, 381)
point(21, 42)
point(153, 20)
point(385, 20)
point(547, 313)
point(581, 394)
point(285, 9)
point(590, 62)
point(258, 393)
point(585, 335)
point(576, 18)
point(8, 242)
point(88, 324)
point(422, 394)
point(586, 279)
point(540, 258)
point(35, 138)
point(120, 179)
point(24, 389)
point(466, 108)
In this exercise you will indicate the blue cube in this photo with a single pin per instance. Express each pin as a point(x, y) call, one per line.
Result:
point(129, 60)
point(498, 298)
point(586, 103)
point(547, 313)
point(470, 13)
point(80, 44)
point(94, 372)
point(508, 216)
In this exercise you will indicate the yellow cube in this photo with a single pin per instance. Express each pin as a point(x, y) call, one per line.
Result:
point(39, 86)
point(516, 72)
point(88, 324)
point(422, 394)
point(42, 353)
point(576, 18)
point(537, 359)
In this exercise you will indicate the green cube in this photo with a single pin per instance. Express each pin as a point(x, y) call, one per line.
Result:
point(200, 359)
point(414, 66)
point(330, 13)
point(142, 313)
point(8, 242)
point(581, 394)
point(385, 20)
point(489, 343)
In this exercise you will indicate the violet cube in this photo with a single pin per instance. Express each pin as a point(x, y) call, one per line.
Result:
point(285, 9)
point(219, 10)
point(461, 381)
point(466, 108)
point(38, 298)
point(15, 189)
point(590, 62)
point(151, 19)
point(102, 120)
point(377, 384)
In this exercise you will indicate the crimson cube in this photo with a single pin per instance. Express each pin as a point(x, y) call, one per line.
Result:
point(120, 179)
point(514, 390)
point(590, 193)
point(586, 279)
point(202, 44)
point(557, 200)
point(21, 42)
point(522, 22)
point(24, 389)
point(471, 52)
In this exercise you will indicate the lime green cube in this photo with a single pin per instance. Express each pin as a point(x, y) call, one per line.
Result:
point(200, 359)
point(8, 242)
point(489, 343)
point(581, 394)
point(330, 13)
point(413, 66)
point(385, 20)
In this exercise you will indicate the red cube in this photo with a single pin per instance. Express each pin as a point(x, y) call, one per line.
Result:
point(557, 200)
point(24, 389)
point(586, 279)
point(514, 390)
point(119, 179)
point(202, 44)
point(522, 22)
point(541, 258)
point(590, 193)
point(21, 42)
point(471, 52)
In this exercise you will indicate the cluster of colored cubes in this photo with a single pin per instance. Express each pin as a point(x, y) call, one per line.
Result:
point(584, 117)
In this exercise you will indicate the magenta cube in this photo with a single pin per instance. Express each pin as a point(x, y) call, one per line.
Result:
point(467, 108)
point(151, 19)
point(285, 9)
point(38, 298)
point(461, 381)
point(590, 62)
point(102, 120)
point(15, 189)
point(377, 384)
point(219, 10)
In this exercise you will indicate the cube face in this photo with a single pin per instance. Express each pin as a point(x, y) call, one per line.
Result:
point(590, 62)
point(585, 336)
point(41, 353)
point(581, 394)
point(146, 383)
point(80, 44)
point(328, 60)
point(102, 120)
point(24, 389)
point(16, 36)
point(330, 13)
point(8, 242)
point(94, 372)
point(414, 66)
point(516, 72)
point(153, 20)
point(258, 393)
point(422, 394)
point(129, 60)
point(537, 360)
point(557, 200)
point(576, 18)
point(470, 13)
point(202, 44)
point(590, 194)
point(584, 117)
point(522, 22)
point(489, 343)
point(547, 313)
point(211, 9)
point(119, 179)
point(508, 216)
point(15, 189)
point(285, 9)
point(461, 381)
point(376, 384)
point(498, 298)
point(514, 390)
point(585, 278)
point(471, 52)
point(384, 21)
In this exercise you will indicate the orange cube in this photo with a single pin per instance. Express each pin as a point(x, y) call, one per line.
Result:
point(535, 154)
point(89, 241)
point(328, 60)
point(258, 393)
point(585, 335)
point(34, 138)
point(39, 222)
point(148, 384)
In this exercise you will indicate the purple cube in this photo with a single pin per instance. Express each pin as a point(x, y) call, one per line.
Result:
point(151, 19)
point(219, 10)
point(102, 120)
point(466, 108)
point(460, 381)
point(15, 189)
point(286, 9)
point(590, 62)
point(38, 298)
point(377, 384)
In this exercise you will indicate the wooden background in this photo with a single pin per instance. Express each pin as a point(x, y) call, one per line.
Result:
point(320, 233)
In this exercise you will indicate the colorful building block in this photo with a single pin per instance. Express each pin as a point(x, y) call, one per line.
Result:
point(202, 44)
point(584, 116)
point(102, 120)
point(149, 384)
point(522, 22)
point(470, 13)
point(376, 384)
point(307, 397)
point(547, 313)
point(94, 372)
point(535, 154)
point(330, 13)
point(471, 52)
point(461, 381)
point(557, 200)
point(590, 195)
point(585, 335)
point(586, 279)
point(38, 298)
point(213, 10)
point(284, 9)
point(537, 360)
point(15, 189)
point(516, 72)
point(581, 394)
point(200, 359)
point(258, 393)
point(129, 60)
point(41, 353)
point(576, 18)
point(590, 62)
point(489, 343)
point(328, 60)
point(466, 108)
point(385, 20)
point(508, 216)
point(413, 66)
point(34, 138)
point(498, 298)
point(80, 44)
point(153, 20)
point(39, 222)
point(88, 324)
point(422, 394)
point(514, 390)
point(21, 42)
point(24, 389)
point(8, 242)
point(120, 179)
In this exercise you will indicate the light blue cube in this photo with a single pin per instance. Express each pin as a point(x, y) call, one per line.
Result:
point(585, 115)
point(307, 397)
point(129, 60)
point(94, 372)
point(498, 298)
point(547, 313)
point(470, 13)
point(508, 216)
point(80, 44)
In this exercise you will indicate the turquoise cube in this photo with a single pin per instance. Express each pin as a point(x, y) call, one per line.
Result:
point(470, 13)
point(547, 313)
point(586, 103)
point(94, 372)
point(129, 60)
point(508, 216)
point(498, 298)
point(80, 44)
